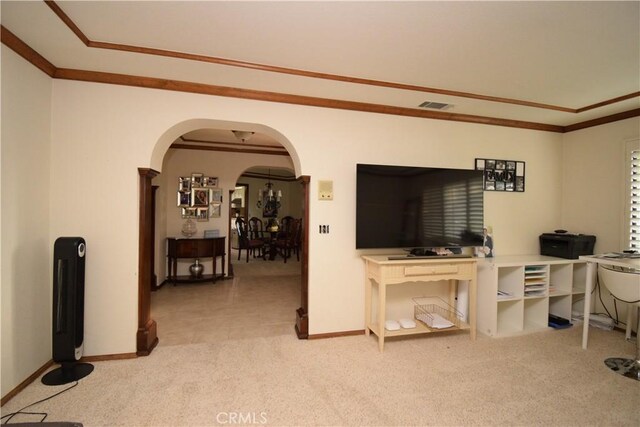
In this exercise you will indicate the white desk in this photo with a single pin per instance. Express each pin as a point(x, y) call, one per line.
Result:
point(592, 269)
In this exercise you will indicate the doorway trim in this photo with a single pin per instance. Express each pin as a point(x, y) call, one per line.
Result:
point(147, 334)
point(302, 313)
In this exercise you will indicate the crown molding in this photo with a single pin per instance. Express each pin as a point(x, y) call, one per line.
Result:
point(313, 74)
point(22, 49)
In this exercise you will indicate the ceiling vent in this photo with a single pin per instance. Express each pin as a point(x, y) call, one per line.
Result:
point(435, 105)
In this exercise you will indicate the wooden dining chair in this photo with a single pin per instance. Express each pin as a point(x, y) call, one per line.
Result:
point(256, 230)
point(290, 242)
point(246, 242)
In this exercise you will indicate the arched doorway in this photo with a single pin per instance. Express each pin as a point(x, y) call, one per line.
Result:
point(147, 337)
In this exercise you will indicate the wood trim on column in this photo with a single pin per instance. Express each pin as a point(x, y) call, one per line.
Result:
point(147, 335)
point(153, 279)
point(230, 272)
point(302, 313)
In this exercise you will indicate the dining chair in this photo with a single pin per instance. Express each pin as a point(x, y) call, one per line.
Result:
point(246, 242)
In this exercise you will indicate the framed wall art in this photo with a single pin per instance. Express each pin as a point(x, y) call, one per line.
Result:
point(215, 210)
point(197, 179)
point(202, 214)
point(188, 213)
point(184, 198)
point(184, 183)
point(199, 197)
point(502, 175)
point(215, 195)
point(210, 181)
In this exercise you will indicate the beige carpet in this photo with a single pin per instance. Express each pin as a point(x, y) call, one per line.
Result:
point(537, 379)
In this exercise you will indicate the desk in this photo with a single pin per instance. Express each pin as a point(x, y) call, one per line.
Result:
point(382, 272)
point(194, 248)
point(592, 269)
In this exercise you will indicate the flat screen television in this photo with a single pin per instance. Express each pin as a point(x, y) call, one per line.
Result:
point(418, 207)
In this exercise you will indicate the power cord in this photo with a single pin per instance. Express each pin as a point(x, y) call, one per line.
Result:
point(44, 414)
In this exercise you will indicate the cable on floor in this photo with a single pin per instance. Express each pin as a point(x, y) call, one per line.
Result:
point(44, 414)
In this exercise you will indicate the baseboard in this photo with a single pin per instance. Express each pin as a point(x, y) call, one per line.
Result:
point(105, 357)
point(51, 363)
point(26, 382)
point(336, 334)
point(157, 287)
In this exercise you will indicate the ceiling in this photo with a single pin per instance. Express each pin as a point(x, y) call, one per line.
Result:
point(507, 63)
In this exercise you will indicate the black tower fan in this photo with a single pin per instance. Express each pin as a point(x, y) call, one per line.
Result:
point(68, 311)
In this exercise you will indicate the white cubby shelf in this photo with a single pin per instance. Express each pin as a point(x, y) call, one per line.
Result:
point(516, 294)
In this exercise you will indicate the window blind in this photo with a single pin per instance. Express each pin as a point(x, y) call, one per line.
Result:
point(634, 199)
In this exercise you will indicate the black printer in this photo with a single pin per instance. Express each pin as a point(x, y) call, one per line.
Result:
point(566, 245)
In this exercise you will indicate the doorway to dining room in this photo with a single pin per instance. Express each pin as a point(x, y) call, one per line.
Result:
point(182, 311)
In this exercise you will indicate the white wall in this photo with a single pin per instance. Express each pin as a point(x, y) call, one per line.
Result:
point(593, 182)
point(593, 189)
point(26, 251)
point(101, 134)
point(106, 132)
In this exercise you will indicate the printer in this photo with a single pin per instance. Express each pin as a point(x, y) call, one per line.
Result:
point(566, 245)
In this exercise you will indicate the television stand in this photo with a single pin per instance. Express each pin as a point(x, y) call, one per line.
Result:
point(381, 273)
point(410, 257)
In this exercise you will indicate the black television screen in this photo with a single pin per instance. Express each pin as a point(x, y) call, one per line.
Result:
point(418, 207)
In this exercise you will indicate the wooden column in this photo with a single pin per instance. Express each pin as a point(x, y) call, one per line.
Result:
point(153, 279)
point(302, 314)
point(147, 335)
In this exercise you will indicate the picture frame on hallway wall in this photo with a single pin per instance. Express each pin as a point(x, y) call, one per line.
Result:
point(502, 175)
point(210, 181)
point(184, 183)
point(199, 197)
point(215, 195)
point(187, 213)
point(215, 210)
point(196, 180)
point(184, 198)
point(202, 214)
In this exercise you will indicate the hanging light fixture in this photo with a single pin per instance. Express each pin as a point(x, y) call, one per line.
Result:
point(242, 135)
point(268, 196)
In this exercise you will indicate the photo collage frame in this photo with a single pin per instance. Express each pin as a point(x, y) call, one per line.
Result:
point(502, 175)
point(199, 197)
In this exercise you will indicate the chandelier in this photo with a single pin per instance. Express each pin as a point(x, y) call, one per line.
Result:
point(268, 196)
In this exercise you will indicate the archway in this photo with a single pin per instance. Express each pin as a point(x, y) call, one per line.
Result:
point(146, 338)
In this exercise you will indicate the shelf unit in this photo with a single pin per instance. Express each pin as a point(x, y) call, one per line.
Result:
point(516, 294)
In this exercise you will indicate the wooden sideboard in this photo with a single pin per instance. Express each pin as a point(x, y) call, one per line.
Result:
point(213, 248)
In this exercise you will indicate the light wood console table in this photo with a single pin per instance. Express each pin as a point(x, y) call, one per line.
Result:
point(381, 272)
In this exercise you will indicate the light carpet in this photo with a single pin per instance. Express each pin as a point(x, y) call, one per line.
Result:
point(543, 378)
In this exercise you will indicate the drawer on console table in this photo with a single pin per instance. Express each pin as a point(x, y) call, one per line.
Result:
point(422, 270)
point(427, 271)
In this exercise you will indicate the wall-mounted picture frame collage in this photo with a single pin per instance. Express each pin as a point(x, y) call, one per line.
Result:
point(199, 197)
point(502, 175)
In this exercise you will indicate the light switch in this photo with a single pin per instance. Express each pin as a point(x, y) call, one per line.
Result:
point(325, 190)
